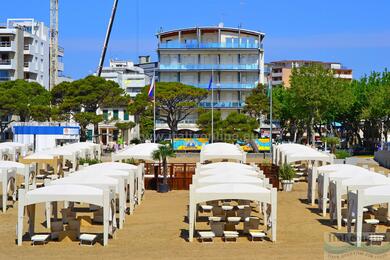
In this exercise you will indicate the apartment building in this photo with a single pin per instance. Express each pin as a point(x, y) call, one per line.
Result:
point(24, 51)
point(281, 70)
point(131, 78)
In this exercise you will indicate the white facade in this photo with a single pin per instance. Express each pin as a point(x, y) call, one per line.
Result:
point(24, 51)
point(234, 56)
point(132, 79)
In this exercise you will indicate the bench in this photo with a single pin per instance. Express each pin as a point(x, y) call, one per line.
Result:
point(256, 233)
point(206, 236)
point(230, 235)
point(375, 239)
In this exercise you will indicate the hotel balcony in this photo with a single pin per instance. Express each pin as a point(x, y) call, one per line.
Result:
point(7, 64)
point(234, 86)
point(7, 46)
point(61, 51)
point(198, 67)
point(223, 104)
point(5, 78)
point(209, 45)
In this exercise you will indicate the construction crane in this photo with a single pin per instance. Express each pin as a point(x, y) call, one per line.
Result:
point(106, 40)
point(53, 73)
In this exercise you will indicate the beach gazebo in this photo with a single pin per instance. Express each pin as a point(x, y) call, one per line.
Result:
point(201, 181)
point(116, 186)
point(226, 165)
point(71, 193)
point(232, 191)
point(340, 187)
point(141, 152)
point(222, 151)
point(325, 178)
point(136, 170)
point(358, 199)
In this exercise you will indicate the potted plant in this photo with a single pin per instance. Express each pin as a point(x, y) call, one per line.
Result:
point(287, 174)
point(161, 154)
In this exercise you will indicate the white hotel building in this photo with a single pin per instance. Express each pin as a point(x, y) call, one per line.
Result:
point(24, 51)
point(235, 56)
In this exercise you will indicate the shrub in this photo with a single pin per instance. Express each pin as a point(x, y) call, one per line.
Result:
point(286, 172)
point(342, 154)
point(135, 141)
point(89, 161)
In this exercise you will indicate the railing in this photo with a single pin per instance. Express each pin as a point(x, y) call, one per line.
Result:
point(225, 85)
point(223, 104)
point(209, 66)
point(5, 78)
point(5, 62)
point(26, 64)
point(209, 45)
point(26, 47)
point(5, 44)
point(186, 121)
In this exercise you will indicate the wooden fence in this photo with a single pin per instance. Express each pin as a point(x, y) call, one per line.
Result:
point(180, 175)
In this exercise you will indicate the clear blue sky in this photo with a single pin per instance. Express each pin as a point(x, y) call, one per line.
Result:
point(355, 33)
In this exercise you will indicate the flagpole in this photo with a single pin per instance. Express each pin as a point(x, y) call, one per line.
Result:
point(270, 116)
point(212, 106)
point(154, 105)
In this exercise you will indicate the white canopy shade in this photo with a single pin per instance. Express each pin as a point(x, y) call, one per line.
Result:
point(325, 178)
point(221, 151)
point(226, 178)
point(137, 152)
point(232, 191)
point(361, 198)
point(136, 170)
point(128, 178)
point(6, 176)
point(101, 182)
point(40, 156)
point(340, 187)
point(54, 193)
point(228, 171)
point(226, 165)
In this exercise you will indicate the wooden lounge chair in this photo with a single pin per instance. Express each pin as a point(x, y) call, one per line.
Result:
point(375, 239)
point(206, 236)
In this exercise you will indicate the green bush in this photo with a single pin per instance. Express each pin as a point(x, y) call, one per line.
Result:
point(286, 172)
point(89, 161)
point(342, 154)
point(135, 141)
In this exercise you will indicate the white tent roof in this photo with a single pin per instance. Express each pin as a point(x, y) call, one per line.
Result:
point(378, 191)
point(367, 180)
point(79, 193)
point(40, 156)
point(98, 181)
point(11, 164)
point(97, 171)
point(229, 178)
point(137, 152)
point(348, 173)
point(113, 166)
point(226, 165)
point(217, 151)
point(228, 171)
point(336, 167)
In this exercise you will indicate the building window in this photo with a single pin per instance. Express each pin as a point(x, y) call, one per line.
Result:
point(116, 115)
point(105, 114)
point(126, 115)
point(89, 135)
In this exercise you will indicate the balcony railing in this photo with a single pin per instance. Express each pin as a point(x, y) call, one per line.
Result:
point(209, 45)
point(5, 78)
point(209, 66)
point(26, 64)
point(224, 85)
point(26, 47)
point(5, 62)
point(223, 104)
point(5, 44)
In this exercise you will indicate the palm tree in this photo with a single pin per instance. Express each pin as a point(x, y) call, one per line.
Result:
point(163, 152)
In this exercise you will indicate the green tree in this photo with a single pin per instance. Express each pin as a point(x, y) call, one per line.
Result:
point(81, 98)
point(237, 127)
point(176, 101)
point(28, 100)
point(204, 122)
point(124, 126)
point(163, 152)
point(257, 103)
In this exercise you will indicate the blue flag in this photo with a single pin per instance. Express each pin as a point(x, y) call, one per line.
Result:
point(210, 83)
